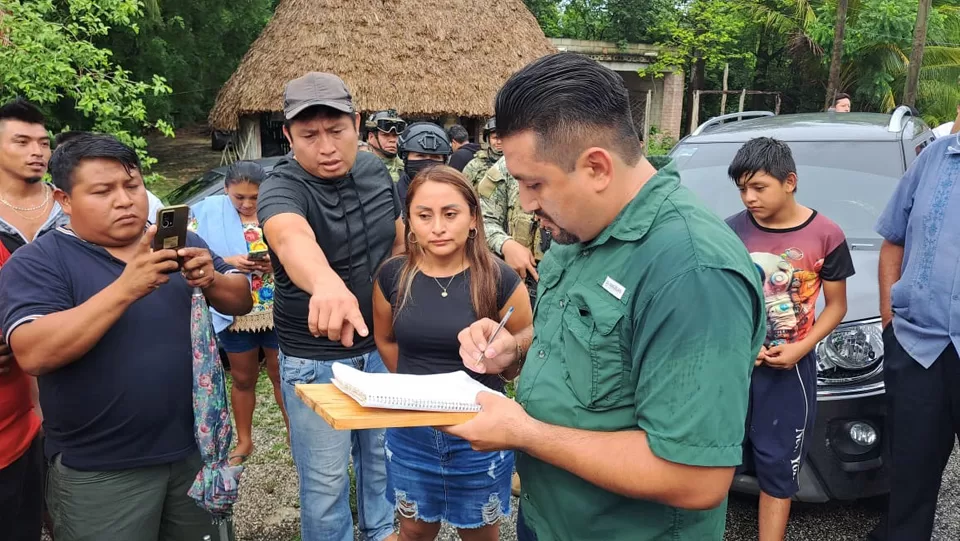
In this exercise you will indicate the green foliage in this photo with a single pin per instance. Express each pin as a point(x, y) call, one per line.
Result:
point(547, 13)
point(195, 45)
point(49, 56)
point(658, 143)
point(620, 21)
point(707, 30)
point(781, 45)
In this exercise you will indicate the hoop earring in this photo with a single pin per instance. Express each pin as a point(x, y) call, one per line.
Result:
point(411, 238)
point(472, 234)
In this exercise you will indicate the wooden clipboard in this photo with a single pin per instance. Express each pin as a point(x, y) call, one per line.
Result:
point(344, 413)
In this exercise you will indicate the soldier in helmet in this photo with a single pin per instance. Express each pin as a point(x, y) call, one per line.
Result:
point(383, 130)
point(484, 159)
point(511, 233)
point(421, 145)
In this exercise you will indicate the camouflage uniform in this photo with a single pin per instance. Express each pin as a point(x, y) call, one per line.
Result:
point(394, 166)
point(482, 161)
point(504, 219)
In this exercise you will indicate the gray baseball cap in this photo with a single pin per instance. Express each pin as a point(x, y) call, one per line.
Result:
point(315, 88)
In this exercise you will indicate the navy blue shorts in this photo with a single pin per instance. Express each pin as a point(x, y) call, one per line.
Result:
point(243, 341)
point(782, 411)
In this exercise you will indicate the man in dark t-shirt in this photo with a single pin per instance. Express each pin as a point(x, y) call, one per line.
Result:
point(330, 216)
point(104, 323)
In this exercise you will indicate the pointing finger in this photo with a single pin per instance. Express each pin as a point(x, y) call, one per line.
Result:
point(355, 318)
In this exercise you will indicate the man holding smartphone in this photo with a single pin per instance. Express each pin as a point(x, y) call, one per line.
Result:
point(331, 216)
point(103, 321)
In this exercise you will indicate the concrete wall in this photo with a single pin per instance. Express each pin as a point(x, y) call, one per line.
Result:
point(666, 104)
point(672, 108)
point(627, 59)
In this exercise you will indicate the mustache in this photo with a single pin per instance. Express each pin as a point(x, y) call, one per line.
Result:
point(543, 216)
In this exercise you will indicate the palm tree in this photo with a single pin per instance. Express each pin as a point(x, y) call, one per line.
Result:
point(916, 53)
point(833, 84)
point(875, 66)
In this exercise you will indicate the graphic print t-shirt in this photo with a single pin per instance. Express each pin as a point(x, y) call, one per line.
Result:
point(792, 263)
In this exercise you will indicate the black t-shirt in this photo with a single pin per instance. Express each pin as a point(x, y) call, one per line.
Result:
point(354, 220)
point(460, 158)
point(127, 402)
point(426, 328)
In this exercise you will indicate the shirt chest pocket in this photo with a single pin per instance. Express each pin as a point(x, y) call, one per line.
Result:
point(592, 357)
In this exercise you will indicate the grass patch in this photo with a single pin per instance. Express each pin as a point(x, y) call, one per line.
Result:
point(270, 436)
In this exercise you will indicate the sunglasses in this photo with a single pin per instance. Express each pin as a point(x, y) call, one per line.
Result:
point(391, 126)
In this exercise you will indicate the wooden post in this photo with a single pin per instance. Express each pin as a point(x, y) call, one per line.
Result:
point(695, 111)
point(777, 110)
point(248, 147)
point(647, 110)
point(723, 98)
point(743, 99)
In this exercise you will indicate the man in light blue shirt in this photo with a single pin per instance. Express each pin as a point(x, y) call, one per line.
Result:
point(920, 296)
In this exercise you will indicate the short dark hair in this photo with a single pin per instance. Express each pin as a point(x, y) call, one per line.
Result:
point(841, 96)
point(88, 146)
point(570, 102)
point(65, 136)
point(458, 133)
point(313, 113)
point(244, 171)
point(762, 154)
point(22, 110)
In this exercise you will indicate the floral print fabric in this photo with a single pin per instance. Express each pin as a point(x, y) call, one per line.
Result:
point(216, 485)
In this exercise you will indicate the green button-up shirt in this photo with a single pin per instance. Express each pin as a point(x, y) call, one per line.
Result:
point(654, 324)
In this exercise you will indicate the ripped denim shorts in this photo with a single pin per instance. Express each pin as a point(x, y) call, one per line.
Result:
point(434, 477)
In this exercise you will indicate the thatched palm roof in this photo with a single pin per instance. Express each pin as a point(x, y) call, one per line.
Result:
point(421, 57)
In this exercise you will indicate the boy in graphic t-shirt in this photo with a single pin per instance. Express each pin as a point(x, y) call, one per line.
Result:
point(797, 252)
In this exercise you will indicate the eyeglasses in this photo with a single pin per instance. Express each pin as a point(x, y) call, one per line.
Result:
point(391, 126)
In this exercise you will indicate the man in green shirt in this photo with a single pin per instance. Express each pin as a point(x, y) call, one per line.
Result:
point(630, 413)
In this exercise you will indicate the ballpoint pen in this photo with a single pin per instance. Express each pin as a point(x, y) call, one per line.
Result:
point(503, 322)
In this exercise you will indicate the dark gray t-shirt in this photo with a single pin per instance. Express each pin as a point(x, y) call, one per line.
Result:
point(354, 220)
point(426, 328)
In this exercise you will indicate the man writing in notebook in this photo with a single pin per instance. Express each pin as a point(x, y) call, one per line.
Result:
point(649, 318)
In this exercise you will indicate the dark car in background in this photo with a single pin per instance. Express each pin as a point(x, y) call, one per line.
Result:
point(210, 183)
point(848, 165)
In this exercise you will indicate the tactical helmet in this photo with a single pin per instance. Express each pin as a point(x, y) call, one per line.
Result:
point(386, 121)
point(489, 127)
point(425, 138)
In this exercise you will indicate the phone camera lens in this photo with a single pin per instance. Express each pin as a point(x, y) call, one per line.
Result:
point(166, 220)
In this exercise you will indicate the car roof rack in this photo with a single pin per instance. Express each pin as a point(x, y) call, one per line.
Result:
point(743, 115)
point(897, 118)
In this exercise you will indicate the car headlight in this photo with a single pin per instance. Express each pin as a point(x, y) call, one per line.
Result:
point(855, 346)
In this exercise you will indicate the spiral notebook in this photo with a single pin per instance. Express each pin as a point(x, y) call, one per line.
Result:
point(453, 392)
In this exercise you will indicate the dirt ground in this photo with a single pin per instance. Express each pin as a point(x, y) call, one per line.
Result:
point(184, 157)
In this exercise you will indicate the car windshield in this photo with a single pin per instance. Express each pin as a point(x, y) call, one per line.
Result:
point(849, 182)
point(190, 189)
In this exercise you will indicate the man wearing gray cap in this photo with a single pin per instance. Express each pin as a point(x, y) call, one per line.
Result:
point(330, 216)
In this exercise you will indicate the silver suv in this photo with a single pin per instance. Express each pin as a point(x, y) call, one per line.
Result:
point(848, 165)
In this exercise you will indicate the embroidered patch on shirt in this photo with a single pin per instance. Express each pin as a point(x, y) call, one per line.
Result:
point(614, 288)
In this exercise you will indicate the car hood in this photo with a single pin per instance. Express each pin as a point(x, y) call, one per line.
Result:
point(863, 290)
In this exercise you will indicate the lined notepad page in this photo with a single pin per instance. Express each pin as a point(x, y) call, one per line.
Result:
point(455, 391)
